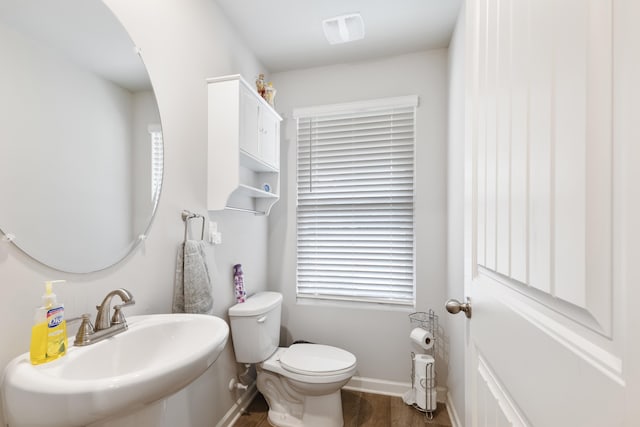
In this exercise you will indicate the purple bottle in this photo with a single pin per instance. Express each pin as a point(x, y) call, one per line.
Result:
point(238, 283)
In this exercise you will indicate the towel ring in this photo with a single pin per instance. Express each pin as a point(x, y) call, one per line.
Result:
point(186, 216)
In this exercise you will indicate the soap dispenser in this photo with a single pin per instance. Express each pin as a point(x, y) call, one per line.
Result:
point(49, 332)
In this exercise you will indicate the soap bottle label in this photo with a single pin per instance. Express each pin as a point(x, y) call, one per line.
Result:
point(55, 316)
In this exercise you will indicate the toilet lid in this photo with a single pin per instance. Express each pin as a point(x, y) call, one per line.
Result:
point(316, 359)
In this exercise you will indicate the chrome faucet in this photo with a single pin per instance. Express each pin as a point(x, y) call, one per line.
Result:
point(105, 326)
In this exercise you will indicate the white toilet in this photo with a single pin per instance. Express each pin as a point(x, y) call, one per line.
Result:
point(301, 383)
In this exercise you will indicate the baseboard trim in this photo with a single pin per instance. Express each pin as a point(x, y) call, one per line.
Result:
point(453, 413)
point(238, 407)
point(377, 386)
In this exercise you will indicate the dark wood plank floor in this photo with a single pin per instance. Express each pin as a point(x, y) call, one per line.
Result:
point(359, 410)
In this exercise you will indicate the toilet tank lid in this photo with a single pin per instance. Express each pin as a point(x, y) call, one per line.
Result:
point(259, 303)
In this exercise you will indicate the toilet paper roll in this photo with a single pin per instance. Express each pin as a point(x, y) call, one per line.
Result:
point(421, 337)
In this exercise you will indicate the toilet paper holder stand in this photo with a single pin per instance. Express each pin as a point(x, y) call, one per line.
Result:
point(428, 321)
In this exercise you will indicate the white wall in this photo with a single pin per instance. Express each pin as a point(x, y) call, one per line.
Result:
point(183, 42)
point(377, 336)
point(455, 206)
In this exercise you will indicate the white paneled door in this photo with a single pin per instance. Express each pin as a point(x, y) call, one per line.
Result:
point(552, 173)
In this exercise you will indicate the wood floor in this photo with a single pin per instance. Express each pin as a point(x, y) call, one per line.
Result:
point(359, 410)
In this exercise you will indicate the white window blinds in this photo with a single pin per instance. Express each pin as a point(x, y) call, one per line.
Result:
point(157, 161)
point(355, 235)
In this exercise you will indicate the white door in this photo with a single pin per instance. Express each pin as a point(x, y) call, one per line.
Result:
point(552, 213)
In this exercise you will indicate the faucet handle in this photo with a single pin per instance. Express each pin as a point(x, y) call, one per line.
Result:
point(118, 317)
point(84, 331)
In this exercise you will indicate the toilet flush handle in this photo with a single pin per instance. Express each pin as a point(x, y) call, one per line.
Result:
point(261, 319)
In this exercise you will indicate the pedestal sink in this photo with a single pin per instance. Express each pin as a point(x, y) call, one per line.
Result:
point(157, 356)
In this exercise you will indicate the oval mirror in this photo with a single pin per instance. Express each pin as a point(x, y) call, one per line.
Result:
point(81, 162)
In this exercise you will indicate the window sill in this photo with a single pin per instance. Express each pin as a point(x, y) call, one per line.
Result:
point(336, 303)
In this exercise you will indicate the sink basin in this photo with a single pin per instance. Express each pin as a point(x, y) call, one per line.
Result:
point(157, 356)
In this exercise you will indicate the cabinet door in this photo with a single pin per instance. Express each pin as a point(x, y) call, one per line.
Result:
point(249, 122)
point(270, 139)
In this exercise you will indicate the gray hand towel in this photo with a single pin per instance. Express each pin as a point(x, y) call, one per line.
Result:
point(192, 292)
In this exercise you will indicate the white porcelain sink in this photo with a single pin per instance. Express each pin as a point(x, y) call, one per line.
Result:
point(157, 356)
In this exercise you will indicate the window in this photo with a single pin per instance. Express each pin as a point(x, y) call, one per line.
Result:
point(355, 180)
point(157, 156)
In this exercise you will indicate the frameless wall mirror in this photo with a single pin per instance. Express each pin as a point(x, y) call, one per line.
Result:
point(80, 136)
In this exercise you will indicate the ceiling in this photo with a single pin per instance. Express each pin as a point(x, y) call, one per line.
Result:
point(287, 34)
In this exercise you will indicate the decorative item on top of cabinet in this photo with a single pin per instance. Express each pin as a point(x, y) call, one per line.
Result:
point(269, 93)
point(260, 85)
point(243, 149)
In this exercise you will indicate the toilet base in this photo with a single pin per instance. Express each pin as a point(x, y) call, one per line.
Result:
point(319, 411)
point(288, 408)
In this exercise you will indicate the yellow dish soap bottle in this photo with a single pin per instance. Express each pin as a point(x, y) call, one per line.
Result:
point(49, 332)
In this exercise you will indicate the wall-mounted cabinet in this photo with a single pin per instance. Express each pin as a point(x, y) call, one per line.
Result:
point(244, 147)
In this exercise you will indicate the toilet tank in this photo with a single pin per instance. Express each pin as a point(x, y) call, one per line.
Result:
point(255, 327)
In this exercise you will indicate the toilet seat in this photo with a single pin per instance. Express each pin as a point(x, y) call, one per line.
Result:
point(316, 360)
point(307, 373)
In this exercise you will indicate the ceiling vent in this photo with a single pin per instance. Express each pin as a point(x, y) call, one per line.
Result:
point(343, 29)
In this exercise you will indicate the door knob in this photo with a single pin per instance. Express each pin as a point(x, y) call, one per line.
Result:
point(454, 306)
